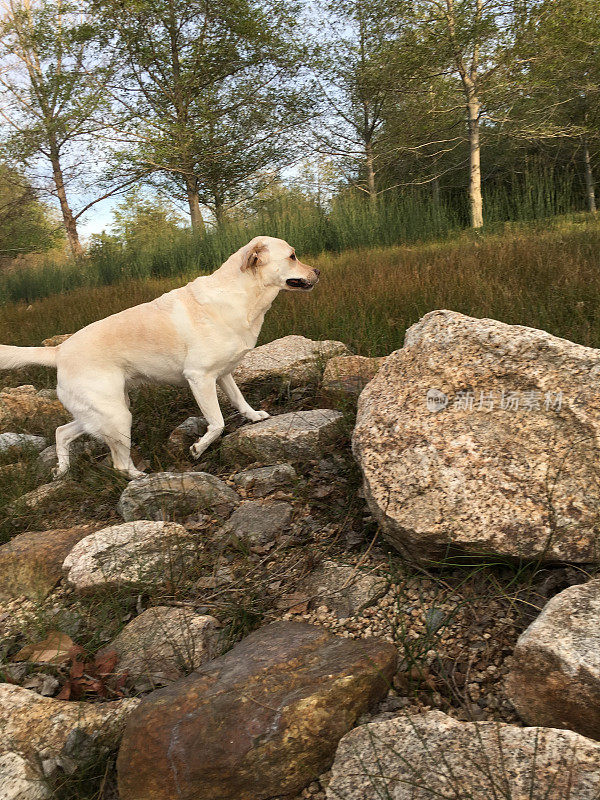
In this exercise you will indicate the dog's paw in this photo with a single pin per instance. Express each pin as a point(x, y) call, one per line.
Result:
point(256, 416)
point(196, 451)
point(132, 474)
point(57, 473)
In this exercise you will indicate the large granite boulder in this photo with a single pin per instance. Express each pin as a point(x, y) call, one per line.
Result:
point(31, 563)
point(294, 359)
point(483, 438)
point(555, 677)
point(135, 555)
point(165, 495)
point(164, 644)
point(22, 405)
point(262, 720)
point(42, 736)
point(431, 755)
point(297, 436)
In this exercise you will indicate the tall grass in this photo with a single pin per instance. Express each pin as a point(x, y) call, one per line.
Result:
point(350, 223)
point(543, 276)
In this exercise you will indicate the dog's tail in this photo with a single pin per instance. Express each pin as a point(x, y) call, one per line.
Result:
point(14, 357)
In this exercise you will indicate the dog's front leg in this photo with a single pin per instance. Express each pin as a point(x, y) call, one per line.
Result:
point(204, 389)
point(238, 400)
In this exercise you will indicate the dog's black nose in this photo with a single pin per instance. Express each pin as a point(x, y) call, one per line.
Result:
point(317, 271)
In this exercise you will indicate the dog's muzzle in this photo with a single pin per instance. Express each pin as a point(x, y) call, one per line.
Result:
point(302, 283)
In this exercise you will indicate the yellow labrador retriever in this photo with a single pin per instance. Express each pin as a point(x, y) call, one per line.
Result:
point(196, 334)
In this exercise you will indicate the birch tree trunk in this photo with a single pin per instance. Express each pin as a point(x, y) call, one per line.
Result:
point(370, 172)
point(475, 195)
point(589, 178)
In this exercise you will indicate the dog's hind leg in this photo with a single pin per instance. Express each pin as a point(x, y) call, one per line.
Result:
point(64, 436)
point(237, 399)
point(204, 390)
point(115, 429)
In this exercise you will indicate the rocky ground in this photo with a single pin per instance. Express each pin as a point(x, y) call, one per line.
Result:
point(271, 527)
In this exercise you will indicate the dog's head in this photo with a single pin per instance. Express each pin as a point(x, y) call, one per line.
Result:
point(276, 263)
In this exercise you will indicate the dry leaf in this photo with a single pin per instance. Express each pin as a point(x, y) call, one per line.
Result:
point(55, 649)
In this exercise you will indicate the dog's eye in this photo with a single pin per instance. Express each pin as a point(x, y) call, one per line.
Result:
point(293, 257)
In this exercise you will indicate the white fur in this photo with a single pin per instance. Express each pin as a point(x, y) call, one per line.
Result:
point(196, 334)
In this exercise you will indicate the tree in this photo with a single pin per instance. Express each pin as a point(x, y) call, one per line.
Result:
point(558, 48)
point(53, 99)
point(26, 226)
point(213, 101)
point(140, 220)
point(470, 40)
point(355, 85)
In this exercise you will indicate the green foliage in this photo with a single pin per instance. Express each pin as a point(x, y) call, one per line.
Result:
point(349, 223)
point(215, 97)
point(26, 226)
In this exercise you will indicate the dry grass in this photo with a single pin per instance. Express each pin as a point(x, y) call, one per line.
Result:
point(529, 275)
point(547, 278)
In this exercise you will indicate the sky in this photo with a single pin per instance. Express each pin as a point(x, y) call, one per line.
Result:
point(98, 218)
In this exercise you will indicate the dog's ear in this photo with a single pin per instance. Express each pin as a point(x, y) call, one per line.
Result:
point(254, 256)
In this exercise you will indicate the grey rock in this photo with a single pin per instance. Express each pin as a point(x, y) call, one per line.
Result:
point(135, 555)
point(259, 522)
point(84, 446)
point(342, 588)
point(263, 480)
point(21, 441)
point(300, 435)
point(41, 495)
point(422, 756)
point(294, 359)
point(555, 676)
point(164, 495)
point(468, 472)
point(164, 644)
point(185, 434)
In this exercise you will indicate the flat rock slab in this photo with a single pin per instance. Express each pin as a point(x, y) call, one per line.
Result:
point(467, 445)
point(135, 555)
point(22, 405)
point(295, 359)
point(165, 495)
point(263, 480)
point(298, 436)
point(31, 563)
point(348, 375)
point(342, 588)
point(262, 720)
point(555, 677)
point(21, 442)
point(51, 734)
point(431, 755)
point(259, 522)
point(165, 643)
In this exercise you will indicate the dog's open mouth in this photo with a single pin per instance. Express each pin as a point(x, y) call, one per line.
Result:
point(299, 283)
